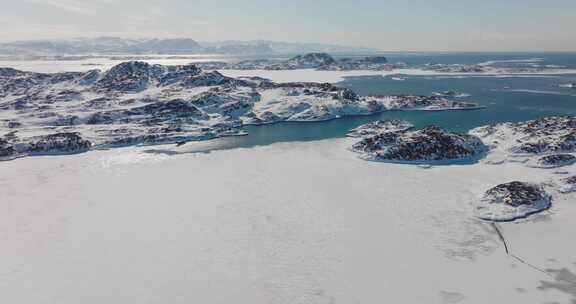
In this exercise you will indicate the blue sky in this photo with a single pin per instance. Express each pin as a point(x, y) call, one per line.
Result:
point(465, 25)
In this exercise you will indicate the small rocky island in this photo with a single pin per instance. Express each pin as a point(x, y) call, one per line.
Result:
point(455, 68)
point(430, 145)
point(421, 103)
point(512, 201)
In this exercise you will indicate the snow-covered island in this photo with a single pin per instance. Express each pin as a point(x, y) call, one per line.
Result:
point(140, 103)
point(512, 201)
point(430, 145)
point(421, 103)
point(318, 61)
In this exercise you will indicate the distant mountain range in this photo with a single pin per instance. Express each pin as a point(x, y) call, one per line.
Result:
point(115, 45)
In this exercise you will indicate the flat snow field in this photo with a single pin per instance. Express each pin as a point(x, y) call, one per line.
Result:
point(286, 223)
point(311, 75)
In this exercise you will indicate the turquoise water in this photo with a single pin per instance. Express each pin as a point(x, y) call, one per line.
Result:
point(505, 99)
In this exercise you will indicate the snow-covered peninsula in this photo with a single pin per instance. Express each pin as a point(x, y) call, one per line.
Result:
point(139, 103)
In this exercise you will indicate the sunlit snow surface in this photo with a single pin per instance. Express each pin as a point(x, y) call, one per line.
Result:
point(305, 222)
point(285, 223)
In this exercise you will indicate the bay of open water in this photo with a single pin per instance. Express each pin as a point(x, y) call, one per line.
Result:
point(506, 98)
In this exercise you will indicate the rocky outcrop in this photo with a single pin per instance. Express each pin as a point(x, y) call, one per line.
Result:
point(428, 145)
point(66, 143)
point(379, 127)
point(555, 161)
point(555, 134)
point(512, 201)
point(11, 146)
point(7, 150)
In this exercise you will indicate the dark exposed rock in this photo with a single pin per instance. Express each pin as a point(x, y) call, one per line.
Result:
point(375, 60)
point(513, 200)
point(172, 109)
point(515, 194)
point(307, 61)
point(556, 160)
point(175, 73)
point(10, 72)
point(568, 184)
point(13, 124)
point(380, 126)
point(456, 68)
point(376, 63)
point(89, 77)
point(100, 118)
point(132, 76)
point(57, 143)
point(6, 149)
point(65, 120)
point(570, 180)
point(425, 145)
point(206, 79)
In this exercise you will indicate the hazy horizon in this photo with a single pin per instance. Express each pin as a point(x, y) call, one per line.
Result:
point(446, 25)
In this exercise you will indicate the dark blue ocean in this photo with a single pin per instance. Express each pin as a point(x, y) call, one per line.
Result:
point(505, 98)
